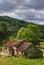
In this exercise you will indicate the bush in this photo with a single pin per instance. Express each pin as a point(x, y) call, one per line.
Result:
point(34, 54)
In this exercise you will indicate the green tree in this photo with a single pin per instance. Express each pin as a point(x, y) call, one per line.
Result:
point(33, 53)
point(30, 34)
point(21, 34)
point(4, 33)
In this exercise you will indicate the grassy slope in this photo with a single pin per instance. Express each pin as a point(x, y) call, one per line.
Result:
point(21, 61)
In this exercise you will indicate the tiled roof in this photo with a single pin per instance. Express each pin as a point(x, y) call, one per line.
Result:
point(13, 43)
point(24, 46)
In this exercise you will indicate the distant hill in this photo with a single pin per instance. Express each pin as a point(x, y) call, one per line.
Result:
point(15, 24)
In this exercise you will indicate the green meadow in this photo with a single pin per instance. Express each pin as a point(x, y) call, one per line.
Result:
point(20, 61)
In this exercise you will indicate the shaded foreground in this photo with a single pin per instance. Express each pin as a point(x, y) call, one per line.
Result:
point(20, 61)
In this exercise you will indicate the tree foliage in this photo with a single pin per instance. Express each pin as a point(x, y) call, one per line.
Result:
point(33, 53)
point(14, 26)
point(4, 33)
point(21, 34)
point(30, 34)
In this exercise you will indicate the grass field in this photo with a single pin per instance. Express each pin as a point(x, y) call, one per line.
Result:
point(21, 61)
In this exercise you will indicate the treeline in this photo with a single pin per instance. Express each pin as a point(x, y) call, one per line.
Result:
point(13, 24)
point(10, 27)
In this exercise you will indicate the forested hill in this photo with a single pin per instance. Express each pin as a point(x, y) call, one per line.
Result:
point(15, 24)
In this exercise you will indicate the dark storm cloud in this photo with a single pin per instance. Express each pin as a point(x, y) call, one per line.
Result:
point(29, 10)
point(36, 4)
point(9, 5)
point(6, 5)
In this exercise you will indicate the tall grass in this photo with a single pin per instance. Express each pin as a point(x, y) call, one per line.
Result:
point(20, 61)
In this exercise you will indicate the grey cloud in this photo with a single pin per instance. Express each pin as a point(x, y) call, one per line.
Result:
point(31, 14)
point(36, 4)
point(24, 9)
point(10, 5)
point(6, 5)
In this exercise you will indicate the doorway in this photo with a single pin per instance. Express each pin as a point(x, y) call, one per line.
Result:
point(12, 52)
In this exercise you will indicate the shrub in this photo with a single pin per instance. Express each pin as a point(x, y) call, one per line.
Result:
point(34, 53)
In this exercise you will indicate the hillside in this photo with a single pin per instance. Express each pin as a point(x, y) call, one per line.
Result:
point(14, 25)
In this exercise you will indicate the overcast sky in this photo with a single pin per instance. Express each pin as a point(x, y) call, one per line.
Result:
point(29, 10)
